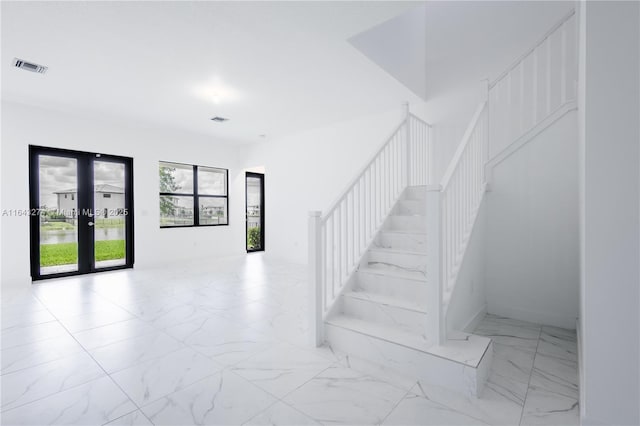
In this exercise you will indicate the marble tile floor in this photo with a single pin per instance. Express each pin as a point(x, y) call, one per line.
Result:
point(226, 343)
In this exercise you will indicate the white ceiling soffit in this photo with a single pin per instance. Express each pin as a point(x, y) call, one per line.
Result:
point(443, 46)
point(399, 46)
point(272, 68)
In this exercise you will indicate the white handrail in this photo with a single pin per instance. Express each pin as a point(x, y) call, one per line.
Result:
point(333, 205)
point(542, 39)
point(455, 161)
point(420, 165)
point(540, 82)
point(525, 94)
point(461, 195)
point(339, 238)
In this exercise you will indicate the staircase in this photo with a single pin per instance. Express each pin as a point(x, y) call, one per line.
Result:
point(382, 315)
point(385, 257)
point(389, 289)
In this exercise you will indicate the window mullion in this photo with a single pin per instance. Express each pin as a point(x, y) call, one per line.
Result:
point(196, 202)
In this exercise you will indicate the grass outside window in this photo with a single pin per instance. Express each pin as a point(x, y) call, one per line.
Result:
point(67, 253)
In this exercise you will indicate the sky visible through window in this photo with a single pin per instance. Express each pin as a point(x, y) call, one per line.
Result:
point(61, 174)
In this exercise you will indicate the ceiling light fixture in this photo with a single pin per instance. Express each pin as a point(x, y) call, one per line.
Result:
point(216, 91)
point(29, 66)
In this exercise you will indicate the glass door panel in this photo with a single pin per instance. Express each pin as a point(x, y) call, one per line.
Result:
point(255, 211)
point(109, 214)
point(84, 206)
point(58, 214)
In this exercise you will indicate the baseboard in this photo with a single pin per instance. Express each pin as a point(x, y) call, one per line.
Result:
point(588, 421)
point(475, 319)
point(538, 317)
point(15, 281)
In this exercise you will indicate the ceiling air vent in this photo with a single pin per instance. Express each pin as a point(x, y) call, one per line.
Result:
point(219, 119)
point(29, 66)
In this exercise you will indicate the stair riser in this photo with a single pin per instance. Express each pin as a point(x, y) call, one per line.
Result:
point(398, 288)
point(404, 319)
point(415, 264)
point(409, 242)
point(407, 223)
point(411, 362)
point(415, 193)
point(409, 207)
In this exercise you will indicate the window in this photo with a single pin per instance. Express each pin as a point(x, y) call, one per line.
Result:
point(193, 195)
point(106, 195)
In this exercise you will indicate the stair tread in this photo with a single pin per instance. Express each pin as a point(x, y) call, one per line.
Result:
point(386, 300)
point(391, 273)
point(398, 251)
point(381, 331)
point(463, 348)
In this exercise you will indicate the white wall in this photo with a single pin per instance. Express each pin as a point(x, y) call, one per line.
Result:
point(309, 170)
point(609, 97)
point(468, 302)
point(23, 125)
point(532, 230)
point(447, 137)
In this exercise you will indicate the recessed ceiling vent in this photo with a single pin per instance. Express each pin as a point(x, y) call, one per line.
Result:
point(219, 119)
point(29, 66)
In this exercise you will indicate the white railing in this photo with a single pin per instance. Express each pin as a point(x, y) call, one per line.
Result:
point(538, 85)
point(339, 238)
point(463, 186)
point(420, 152)
point(540, 82)
point(452, 208)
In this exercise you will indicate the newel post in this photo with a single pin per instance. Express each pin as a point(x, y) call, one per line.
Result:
point(315, 279)
point(407, 123)
point(436, 327)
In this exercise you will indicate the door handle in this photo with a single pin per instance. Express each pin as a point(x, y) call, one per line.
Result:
point(90, 224)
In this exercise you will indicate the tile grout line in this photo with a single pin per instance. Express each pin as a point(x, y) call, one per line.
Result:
point(524, 402)
point(157, 330)
point(395, 407)
point(276, 338)
point(58, 359)
point(127, 414)
point(281, 399)
point(94, 360)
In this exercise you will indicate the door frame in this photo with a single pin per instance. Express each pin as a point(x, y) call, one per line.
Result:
point(85, 191)
point(246, 205)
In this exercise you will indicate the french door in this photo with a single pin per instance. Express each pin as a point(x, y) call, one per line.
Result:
point(254, 200)
point(81, 212)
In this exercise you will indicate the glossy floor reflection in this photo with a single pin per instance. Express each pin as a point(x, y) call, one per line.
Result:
point(226, 343)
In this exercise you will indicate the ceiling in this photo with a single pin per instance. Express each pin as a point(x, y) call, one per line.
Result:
point(443, 49)
point(272, 68)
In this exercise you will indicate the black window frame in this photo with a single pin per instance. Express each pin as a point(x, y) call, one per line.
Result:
point(196, 196)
